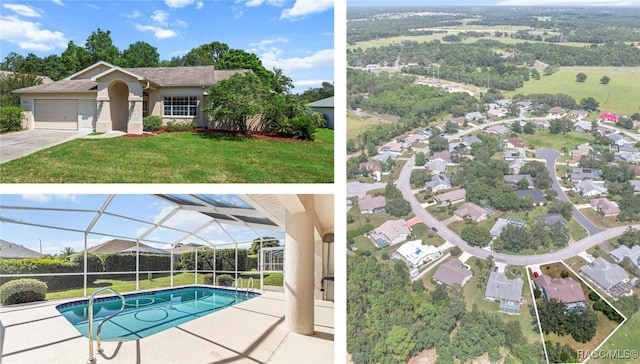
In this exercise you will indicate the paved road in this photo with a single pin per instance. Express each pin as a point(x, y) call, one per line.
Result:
point(550, 156)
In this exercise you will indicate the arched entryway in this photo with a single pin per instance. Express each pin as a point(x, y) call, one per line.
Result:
point(119, 105)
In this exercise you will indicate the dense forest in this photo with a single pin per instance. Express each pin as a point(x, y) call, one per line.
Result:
point(390, 319)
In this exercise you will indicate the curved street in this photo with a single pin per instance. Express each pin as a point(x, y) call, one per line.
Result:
point(597, 234)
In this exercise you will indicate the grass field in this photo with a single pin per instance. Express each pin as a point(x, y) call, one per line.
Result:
point(601, 221)
point(576, 230)
point(186, 157)
point(357, 125)
point(626, 338)
point(619, 96)
point(544, 139)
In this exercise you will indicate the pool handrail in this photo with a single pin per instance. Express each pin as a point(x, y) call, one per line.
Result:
point(249, 284)
point(92, 359)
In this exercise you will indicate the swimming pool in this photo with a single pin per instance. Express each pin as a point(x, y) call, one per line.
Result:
point(147, 313)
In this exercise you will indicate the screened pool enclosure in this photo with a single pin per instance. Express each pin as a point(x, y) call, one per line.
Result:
point(134, 242)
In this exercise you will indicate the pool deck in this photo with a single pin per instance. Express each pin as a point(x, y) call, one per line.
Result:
point(249, 332)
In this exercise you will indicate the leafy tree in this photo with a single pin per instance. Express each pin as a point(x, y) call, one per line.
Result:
point(451, 127)
point(476, 235)
point(267, 242)
point(523, 184)
point(13, 81)
point(516, 126)
point(240, 59)
point(319, 93)
point(589, 104)
point(398, 207)
point(630, 237)
point(204, 55)
point(438, 143)
point(605, 80)
point(66, 252)
point(535, 74)
point(419, 177)
point(237, 99)
point(561, 207)
point(420, 159)
point(140, 54)
point(100, 47)
point(581, 77)
point(399, 343)
point(75, 58)
point(529, 128)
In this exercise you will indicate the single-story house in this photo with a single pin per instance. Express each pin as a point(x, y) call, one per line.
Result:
point(524, 104)
point(471, 211)
point(507, 291)
point(393, 147)
point(551, 219)
point(536, 195)
point(624, 251)
point(565, 290)
point(515, 165)
point(607, 276)
point(437, 166)
point(608, 116)
point(452, 272)
point(391, 232)
point(578, 114)
point(16, 251)
point(513, 154)
point(444, 155)
point(618, 140)
point(541, 123)
point(452, 197)
point(512, 142)
point(416, 254)
point(582, 126)
point(372, 205)
point(119, 246)
point(459, 120)
point(497, 130)
point(474, 116)
point(104, 97)
point(374, 166)
point(578, 174)
point(513, 179)
point(439, 182)
point(629, 157)
point(324, 107)
point(557, 112)
point(581, 150)
point(384, 156)
point(605, 206)
point(468, 141)
point(501, 223)
point(588, 188)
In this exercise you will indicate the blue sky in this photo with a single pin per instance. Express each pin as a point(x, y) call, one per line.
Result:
point(294, 35)
point(498, 2)
point(141, 207)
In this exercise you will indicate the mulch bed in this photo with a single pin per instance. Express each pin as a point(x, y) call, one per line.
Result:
point(253, 135)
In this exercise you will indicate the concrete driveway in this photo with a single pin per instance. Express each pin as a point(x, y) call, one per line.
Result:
point(19, 144)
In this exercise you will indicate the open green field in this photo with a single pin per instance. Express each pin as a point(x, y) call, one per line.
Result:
point(626, 338)
point(576, 231)
point(357, 125)
point(186, 157)
point(619, 96)
point(601, 221)
point(544, 139)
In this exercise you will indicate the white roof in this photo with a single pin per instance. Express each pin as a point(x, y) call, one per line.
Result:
point(414, 252)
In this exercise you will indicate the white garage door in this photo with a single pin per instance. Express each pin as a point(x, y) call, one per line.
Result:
point(56, 114)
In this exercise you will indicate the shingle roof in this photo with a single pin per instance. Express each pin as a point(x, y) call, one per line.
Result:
point(16, 251)
point(371, 203)
point(501, 287)
point(565, 290)
point(328, 102)
point(451, 273)
point(184, 76)
point(116, 246)
point(453, 195)
point(604, 273)
point(61, 86)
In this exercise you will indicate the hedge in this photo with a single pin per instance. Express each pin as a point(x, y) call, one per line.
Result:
point(22, 291)
point(151, 123)
point(10, 118)
point(225, 260)
point(127, 263)
point(44, 265)
point(94, 264)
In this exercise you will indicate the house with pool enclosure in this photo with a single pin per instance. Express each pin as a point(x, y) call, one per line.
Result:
point(245, 278)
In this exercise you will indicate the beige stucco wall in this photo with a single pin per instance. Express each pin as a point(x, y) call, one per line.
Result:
point(134, 102)
point(27, 101)
point(91, 72)
point(156, 103)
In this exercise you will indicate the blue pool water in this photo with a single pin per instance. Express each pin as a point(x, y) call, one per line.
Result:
point(148, 313)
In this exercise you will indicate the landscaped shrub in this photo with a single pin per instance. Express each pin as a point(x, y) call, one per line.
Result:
point(175, 125)
point(94, 264)
point(282, 126)
point(208, 279)
point(44, 265)
point(152, 123)
point(127, 262)
point(225, 280)
point(22, 291)
point(303, 128)
point(319, 120)
point(225, 260)
point(10, 118)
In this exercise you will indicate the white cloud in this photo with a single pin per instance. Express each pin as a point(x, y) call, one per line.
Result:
point(181, 23)
point(160, 16)
point(158, 32)
point(254, 3)
point(29, 36)
point(59, 2)
point(266, 42)
point(136, 14)
point(309, 83)
point(305, 7)
point(24, 10)
point(272, 59)
point(178, 3)
point(41, 198)
point(199, 5)
point(93, 6)
point(568, 2)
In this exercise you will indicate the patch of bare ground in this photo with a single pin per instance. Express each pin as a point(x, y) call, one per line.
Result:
point(425, 357)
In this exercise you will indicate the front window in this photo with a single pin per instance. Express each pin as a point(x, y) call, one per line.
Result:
point(180, 106)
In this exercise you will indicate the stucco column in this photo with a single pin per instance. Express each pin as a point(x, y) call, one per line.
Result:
point(298, 277)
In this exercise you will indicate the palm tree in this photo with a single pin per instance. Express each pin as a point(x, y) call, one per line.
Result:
point(66, 252)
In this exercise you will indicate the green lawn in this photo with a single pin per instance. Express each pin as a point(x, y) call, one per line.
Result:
point(544, 139)
point(576, 230)
point(357, 125)
point(178, 158)
point(619, 96)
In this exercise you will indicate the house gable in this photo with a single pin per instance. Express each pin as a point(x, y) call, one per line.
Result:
point(90, 71)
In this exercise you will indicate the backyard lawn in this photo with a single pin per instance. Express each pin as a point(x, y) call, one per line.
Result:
point(187, 157)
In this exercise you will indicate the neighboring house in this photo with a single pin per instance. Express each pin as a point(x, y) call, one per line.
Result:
point(372, 205)
point(578, 174)
point(444, 155)
point(618, 140)
point(629, 157)
point(513, 179)
point(610, 277)
point(384, 156)
point(607, 116)
point(516, 165)
point(459, 120)
point(471, 211)
point(391, 232)
point(605, 206)
point(524, 104)
point(636, 186)
point(578, 114)
point(474, 116)
point(541, 123)
point(468, 141)
point(581, 150)
point(186, 248)
point(503, 102)
point(437, 166)
point(16, 251)
point(536, 195)
point(551, 219)
point(588, 188)
point(416, 254)
point(104, 97)
point(624, 251)
point(415, 138)
point(452, 272)
point(501, 223)
point(497, 130)
point(507, 291)
point(565, 290)
point(451, 197)
point(557, 112)
point(496, 113)
point(119, 246)
point(513, 154)
point(625, 148)
point(394, 147)
point(439, 182)
point(374, 166)
point(512, 143)
point(582, 126)
point(324, 107)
